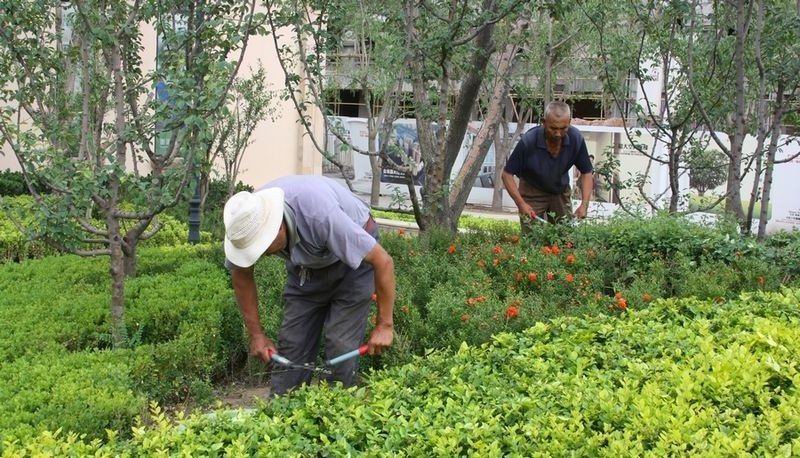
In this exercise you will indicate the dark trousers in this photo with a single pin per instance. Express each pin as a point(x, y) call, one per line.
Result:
point(334, 301)
point(552, 207)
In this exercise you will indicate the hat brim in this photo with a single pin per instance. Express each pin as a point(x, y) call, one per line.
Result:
point(272, 198)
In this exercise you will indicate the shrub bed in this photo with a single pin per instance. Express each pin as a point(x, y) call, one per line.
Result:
point(58, 368)
point(683, 376)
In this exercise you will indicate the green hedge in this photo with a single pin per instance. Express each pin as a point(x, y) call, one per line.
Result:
point(681, 377)
point(183, 325)
point(187, 330)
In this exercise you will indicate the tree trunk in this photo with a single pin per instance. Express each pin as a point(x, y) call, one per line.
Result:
point(130, 258)
point(548, 62)
point(374, 164)
point(674, 160)
point(733, 203)
point(119, 334)
point(770, 166)
point(499, 162)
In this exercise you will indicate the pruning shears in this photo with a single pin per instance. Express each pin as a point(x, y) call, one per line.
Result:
point(325, 368)
point(537, 217)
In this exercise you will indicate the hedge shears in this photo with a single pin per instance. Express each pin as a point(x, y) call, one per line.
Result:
point(325, 368)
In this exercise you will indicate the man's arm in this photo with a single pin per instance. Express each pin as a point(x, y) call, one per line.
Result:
point(513, 191)
point(383, 334)
point(244, 288)
point(587, 183)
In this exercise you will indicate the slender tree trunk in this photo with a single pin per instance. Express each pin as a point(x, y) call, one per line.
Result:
point(770, 166)
point(674, 198)
point(500, 148)
point(548, 62)
point(119, 334)
point(118, 330)
point(374, 164)
point(733, 203)
point(761, 115)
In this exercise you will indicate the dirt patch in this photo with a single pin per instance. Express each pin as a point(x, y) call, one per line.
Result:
point(243, 395)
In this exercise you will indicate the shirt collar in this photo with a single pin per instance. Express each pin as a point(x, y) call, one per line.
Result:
point(541, 143)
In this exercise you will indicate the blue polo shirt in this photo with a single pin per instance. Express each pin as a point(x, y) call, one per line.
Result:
point(531, 161)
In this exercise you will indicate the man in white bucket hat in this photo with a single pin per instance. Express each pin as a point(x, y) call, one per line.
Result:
point(334, 263)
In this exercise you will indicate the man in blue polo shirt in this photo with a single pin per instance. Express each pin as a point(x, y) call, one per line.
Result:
point(542, 160)
point(328, 240)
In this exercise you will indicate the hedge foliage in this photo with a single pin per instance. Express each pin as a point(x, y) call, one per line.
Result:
point(468, 288)
point(57, 368)
point(684, 376)
point(186, 330)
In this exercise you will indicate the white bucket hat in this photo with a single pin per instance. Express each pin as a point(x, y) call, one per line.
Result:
point(252, 221)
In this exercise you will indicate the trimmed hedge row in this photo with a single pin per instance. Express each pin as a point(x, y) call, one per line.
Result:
point(58, 369)
point(681, 377)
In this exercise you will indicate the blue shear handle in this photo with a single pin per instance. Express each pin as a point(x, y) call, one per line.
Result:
point(281, 360)
point(344, 357)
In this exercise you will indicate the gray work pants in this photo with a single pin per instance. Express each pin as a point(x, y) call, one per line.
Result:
point(335, 301)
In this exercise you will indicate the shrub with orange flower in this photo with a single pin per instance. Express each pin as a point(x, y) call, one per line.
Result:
point(512, 312)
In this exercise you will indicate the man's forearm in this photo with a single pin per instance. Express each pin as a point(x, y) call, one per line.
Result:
point(246, 293)
point(385, 291)
point(587, 184)
point(512, 188)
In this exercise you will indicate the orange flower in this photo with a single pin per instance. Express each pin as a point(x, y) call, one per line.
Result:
point(512, 312)
point(555, 250)
point(646, 297)
point(546, 250)
point(452, 249)
point(481, 263)
point(533, 276)
point(570, 259)
point(465, 318)
point(401, 231)
point(570, 278)
point(496, 262)
point(476, 300)
point(514, 239)
point(374, 297)
point(622, 303)
point(570, 245)
point(551, 276)
point(761, 280)
point(497, 249)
